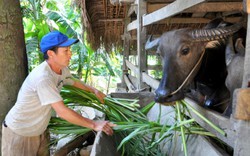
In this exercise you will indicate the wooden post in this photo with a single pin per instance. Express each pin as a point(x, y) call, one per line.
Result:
point(141, 40)
point(246, 76)
point(126, 45)
point(242, 127)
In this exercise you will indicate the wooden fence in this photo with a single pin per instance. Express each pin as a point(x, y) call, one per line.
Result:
point(150, 12)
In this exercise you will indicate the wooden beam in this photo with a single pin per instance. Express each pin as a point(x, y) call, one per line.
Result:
point(169, 10)
point(224, 123)
point(73, 144)
point(184, 20)
point(141, 40)
point(126, 44)
point(242, 143)
point(201, 8)
point(150, 81)
point(126, 1)
point(159, 1)
point(129, 84)
point(194, 20)
point(176, 20)
point(111, 20)
point(247, 6)
point(217, 7)
point(246, 76)
point(104, 7)
point(132, 67)
point(198, 14)
point(132, 25)
point(168, 1)
point(132, 9)
point(242, 106)
point(117, 2)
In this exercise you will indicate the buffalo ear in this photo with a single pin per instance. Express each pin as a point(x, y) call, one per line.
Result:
point(239, 47)
point(152, 44)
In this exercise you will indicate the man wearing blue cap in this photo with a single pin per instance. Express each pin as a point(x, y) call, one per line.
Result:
point(23, 131)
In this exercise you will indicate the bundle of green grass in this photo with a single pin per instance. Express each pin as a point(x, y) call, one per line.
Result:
point(137, 132)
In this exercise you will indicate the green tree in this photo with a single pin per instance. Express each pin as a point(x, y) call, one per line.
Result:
point(41, 16)
point(35, 27)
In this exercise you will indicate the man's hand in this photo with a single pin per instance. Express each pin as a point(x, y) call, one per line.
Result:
point(100, 95)
point(104, 126)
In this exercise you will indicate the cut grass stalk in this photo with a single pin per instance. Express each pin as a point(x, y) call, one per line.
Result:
point(147, 108)
point(182, 128)
point(204, 118)
point(202, 133)
point(121, 104)
point(131, 102)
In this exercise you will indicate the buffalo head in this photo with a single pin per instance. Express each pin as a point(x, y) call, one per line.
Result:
point(181, 52)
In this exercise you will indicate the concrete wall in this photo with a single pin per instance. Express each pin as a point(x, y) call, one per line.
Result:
point(104, 146)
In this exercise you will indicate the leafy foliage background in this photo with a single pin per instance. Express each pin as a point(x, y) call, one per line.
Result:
point(99, 68)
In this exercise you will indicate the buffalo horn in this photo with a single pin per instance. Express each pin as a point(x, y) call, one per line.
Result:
point(215, 33)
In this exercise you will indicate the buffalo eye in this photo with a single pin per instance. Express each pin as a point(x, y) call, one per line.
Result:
point(185, 51)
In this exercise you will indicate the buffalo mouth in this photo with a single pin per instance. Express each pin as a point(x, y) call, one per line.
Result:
point(169, 99)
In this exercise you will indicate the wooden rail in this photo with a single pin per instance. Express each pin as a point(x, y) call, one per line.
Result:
point(132, 67)
point(129, 84)
point(169, 10)
point(202, 7)
point(133, 25)
point(224, 123)
point(150, 81)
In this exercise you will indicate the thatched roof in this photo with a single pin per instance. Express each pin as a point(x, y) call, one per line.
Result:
point(105, 22)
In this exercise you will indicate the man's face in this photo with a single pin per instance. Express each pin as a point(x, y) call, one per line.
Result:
point(62, 57)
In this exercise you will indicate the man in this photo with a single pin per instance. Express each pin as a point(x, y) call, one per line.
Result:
point(23, 131)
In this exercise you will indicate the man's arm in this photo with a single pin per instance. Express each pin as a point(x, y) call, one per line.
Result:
point(75, 118)
point(100, 95)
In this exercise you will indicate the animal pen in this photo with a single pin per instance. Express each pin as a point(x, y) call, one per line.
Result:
point(129, 23)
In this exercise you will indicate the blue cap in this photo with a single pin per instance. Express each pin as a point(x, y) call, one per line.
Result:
point(55, 39)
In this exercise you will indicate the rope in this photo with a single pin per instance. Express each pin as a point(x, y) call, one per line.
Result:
point(190, 73)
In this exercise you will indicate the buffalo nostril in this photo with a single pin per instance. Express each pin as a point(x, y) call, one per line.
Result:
point(161, 95)
point(162, 92)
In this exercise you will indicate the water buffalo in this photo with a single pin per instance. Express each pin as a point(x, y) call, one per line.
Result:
point(194, 57)
point(235, 58)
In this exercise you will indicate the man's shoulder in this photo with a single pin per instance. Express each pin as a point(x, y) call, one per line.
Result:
point(42, 71)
